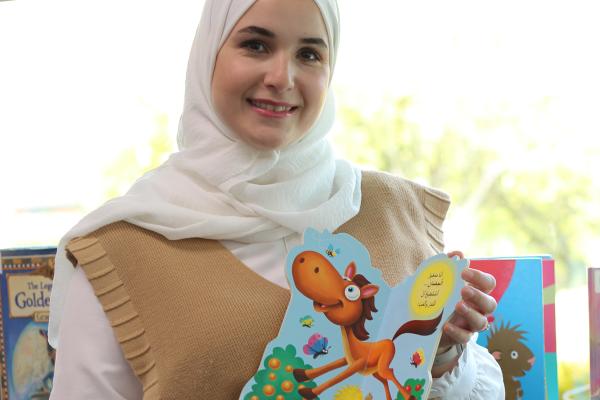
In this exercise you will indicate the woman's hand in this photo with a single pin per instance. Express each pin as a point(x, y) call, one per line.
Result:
point(471, 312)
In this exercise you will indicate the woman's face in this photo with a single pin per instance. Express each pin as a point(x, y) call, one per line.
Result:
point(271, 75)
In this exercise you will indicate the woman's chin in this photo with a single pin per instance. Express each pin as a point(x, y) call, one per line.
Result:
point(271, 141)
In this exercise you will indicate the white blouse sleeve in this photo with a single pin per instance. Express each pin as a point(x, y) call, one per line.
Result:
point(477, 376)
point(89, 362)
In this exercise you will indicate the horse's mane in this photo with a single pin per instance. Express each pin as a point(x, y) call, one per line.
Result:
point(368, 308)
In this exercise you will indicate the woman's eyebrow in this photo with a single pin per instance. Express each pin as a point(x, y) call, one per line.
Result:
point(267, 33)
point(257, 30)
point(316, 41)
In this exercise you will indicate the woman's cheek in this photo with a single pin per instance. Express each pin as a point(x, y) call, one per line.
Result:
point(324, 86)
point(320, 85)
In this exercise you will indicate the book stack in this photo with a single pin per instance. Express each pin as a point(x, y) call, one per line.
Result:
point(27, 362)
point(522, 334)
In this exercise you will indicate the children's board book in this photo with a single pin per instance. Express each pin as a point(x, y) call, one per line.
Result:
point(348, 335)
point(594, 310)
point(522, 334)
point(27, 359)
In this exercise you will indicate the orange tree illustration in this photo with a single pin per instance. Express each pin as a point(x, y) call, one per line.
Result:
point(276, 381)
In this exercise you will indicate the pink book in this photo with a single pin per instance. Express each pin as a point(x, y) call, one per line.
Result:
point(594, 301)
point(550, 359)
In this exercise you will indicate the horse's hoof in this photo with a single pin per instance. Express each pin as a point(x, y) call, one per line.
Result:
point(412, 398)
point(307, 393)
point(300, 375)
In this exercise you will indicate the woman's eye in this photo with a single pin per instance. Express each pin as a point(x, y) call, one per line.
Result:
point(254, 46)
point(309, 55)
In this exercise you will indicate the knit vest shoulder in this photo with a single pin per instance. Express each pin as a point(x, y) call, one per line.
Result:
point(193, 321)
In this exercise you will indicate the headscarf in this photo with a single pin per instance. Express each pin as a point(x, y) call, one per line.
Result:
point(218, 187)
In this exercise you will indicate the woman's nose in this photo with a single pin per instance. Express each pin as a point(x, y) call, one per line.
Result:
point(280, 74)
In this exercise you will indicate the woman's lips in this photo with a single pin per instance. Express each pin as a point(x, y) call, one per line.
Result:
point(272, 109)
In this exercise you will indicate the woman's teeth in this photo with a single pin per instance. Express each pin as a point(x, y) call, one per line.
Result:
point(271, 107)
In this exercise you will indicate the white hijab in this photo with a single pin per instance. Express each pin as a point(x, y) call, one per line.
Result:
point(217, 187)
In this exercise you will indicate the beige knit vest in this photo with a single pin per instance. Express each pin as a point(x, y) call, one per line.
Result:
point(193, 321)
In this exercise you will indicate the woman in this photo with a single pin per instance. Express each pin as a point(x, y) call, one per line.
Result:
point(180, 283)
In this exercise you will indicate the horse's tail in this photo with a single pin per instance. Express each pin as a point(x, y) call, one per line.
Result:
point(419, 327)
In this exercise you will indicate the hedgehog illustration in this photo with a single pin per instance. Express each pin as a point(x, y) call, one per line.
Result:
point(505, 343)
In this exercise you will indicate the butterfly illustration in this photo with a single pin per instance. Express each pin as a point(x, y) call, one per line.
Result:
point(307, 321)
point(331, 252)
point(316, 346)
point(417, 358)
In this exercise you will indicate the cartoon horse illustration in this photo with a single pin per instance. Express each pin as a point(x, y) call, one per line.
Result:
point(515, 359)
point(348, 301)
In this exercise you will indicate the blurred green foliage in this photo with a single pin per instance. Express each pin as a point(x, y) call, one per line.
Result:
point(510, 191)
point(131, 163)
point(573, 375)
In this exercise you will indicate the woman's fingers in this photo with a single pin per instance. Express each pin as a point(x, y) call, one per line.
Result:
point(471, 312)
point(481, 302)
point(457, 334)
point(475, 320)
point(478, 279)
point(456, 253)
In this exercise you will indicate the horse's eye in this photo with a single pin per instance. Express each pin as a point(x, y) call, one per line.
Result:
point(352, 292)
point(514, 354)
point(316, 270)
